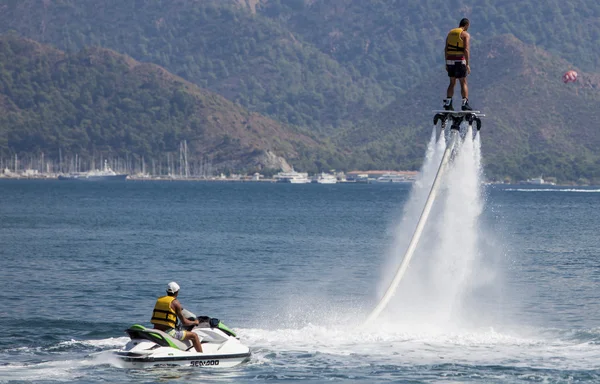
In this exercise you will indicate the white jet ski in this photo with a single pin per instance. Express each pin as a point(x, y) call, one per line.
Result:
point(150, 347)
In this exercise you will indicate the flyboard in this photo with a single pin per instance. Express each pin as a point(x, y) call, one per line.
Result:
point(443, 116)
point(457, 118)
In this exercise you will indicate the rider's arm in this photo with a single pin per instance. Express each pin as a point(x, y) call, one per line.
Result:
point(446, 50)
point(467, 39)
point(178, 310)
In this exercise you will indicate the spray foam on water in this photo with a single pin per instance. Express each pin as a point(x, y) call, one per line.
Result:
point(434, 297)
point(437, 291)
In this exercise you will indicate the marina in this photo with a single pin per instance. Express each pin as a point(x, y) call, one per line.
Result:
point(290, 177)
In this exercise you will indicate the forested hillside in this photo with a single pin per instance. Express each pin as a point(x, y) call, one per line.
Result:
point(99, 103)
point(347, 69)
point(216, 44)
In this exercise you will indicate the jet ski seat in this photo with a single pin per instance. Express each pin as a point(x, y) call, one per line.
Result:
point(159, 337)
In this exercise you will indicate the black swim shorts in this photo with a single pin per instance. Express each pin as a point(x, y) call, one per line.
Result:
point(456, 68)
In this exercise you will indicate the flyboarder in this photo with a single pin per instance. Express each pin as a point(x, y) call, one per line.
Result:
point(457, 55)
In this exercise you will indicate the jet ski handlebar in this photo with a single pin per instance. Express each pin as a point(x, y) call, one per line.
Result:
point(205, 322)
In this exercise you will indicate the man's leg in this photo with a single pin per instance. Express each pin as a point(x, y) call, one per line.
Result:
point(195, 340)
point(464, 88)
point(450, 91)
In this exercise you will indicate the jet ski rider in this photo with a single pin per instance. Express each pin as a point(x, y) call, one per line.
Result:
point(166, 312)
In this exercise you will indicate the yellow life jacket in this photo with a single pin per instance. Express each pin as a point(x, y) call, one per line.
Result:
point(455, 45)
point(163, 314)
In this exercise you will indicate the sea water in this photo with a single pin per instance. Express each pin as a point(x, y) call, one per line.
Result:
point(295, 270)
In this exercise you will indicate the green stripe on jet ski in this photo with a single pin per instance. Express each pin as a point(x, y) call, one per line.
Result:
point(223, 327)
point(158, 335)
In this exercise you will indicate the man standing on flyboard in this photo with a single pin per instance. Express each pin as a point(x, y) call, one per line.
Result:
point(457, 55)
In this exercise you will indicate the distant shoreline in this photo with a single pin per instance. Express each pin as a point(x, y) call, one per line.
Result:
point(269, 180)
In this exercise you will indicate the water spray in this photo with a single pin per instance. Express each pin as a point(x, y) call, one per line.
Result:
point(454, 136)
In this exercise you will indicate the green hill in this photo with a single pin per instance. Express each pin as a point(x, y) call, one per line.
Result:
point(97, 103)
point(320, 64)
point(218, 45)
point(336, 67)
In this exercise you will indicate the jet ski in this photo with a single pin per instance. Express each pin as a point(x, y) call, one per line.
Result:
point(150, 347)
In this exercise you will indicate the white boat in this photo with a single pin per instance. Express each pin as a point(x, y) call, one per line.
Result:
point(153, 348)
point(361, 178)
point(325, 178)
point(292, 177)
point(538, 181)
point(392, 178)
point(106, 174)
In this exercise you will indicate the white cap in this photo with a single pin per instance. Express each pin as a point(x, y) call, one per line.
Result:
point(172, 287)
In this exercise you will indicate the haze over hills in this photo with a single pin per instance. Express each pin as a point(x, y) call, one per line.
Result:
point(98, 103)
point(350, 70)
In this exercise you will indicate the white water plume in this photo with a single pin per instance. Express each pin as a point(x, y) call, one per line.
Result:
point(439, 289)
point(414, 205)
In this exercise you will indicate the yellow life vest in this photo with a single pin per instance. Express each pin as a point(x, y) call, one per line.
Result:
point(163, 314)
point(455, 45)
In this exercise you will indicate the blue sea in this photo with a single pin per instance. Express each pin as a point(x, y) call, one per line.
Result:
point(503, 289)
